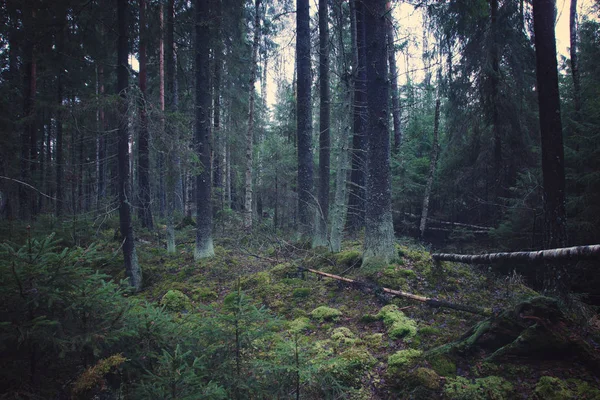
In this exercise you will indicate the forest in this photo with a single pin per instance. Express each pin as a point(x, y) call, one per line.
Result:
point(327, 199)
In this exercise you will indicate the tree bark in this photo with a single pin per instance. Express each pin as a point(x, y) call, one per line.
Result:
point(132, 268)
point(322, 215)
point(145, 212)
point(249, 190)
point(162, 196)
point(304, 120)
point(174, 192)
point(574, 62)
point(553, 168)
point(379, 229)
point(60, 45)
point(394, 82)
point(591, 252)
point(356, 198)
point(202, 138)
point(435, 151)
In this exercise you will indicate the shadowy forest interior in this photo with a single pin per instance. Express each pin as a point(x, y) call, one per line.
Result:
point(294, 199)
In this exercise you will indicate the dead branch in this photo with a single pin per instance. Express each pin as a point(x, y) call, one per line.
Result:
point(427, 300)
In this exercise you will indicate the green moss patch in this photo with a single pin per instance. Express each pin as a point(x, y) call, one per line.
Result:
point(398, 324)
point(402, 358)
point(324, 313)
point(176, 301)
point(491, 387)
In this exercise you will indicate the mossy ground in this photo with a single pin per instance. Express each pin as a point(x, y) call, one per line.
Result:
point(370, 328)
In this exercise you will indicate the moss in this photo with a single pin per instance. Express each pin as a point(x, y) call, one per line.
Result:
point(324, 313)
point(398, 324)
point(285, 270)
point(94, 376)
point(299, 324)
point(348, 258)
point(583, 390)
point(428, 331)
point(402, 358)
point(343, 336)
point(551, 388)
point(491, 387)
point(358, 358)
point(204, 294)
point(258, 280)
point(442, 365)
point(419, 258)
point(427, 378)
point(374, 340)
point(371, 267)
point(301, 292)
point(176, 301)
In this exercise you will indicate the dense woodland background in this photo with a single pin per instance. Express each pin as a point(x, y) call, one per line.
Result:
point(478, 150)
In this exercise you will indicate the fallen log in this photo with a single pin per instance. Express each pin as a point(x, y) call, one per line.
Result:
point(431, 302)
point(565, 253)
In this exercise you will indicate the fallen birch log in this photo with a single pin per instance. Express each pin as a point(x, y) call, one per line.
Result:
point(565, 253)
point(427, 300)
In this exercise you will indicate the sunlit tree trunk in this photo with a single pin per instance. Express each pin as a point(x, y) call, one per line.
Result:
point(202, 137)
point(132, 268)
point(379, 229)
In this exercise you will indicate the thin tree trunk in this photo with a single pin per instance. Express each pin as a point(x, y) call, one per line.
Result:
point(304, 120)
point(60, 44)
point(338, 212)
point(553, 168)
point(132, 268)
point(394, 82)
point(574, 63)
point(202, 137)
point(101, 161)
point(173, 167)
point(379, 228)
point(250, 132)
point(435, 151)
point(161, 96)
point(356, 199)
point(322, 215)
point(145, 212)
point(494, 98)
point(219, 159)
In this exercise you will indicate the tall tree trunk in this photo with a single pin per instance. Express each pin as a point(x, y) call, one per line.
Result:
point(202, 137)
point(60, 45)
point(219, 159)
point(132, 268)
point(379, 229)
point(162, 198)
point(574, 63)
point(174, 190)
point(145, 212)
point(338, 211)
point(250, 132)
point(494, 95)
point(394, 81)
point(435, 151)
point(322, 215)
point(356, 199)
point(304, 120)
point(29, 136)
point(101, 140)
point(553, 169)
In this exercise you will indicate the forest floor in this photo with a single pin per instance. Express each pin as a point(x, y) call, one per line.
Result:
point(384, 342)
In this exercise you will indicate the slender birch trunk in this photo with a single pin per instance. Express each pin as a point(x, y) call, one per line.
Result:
point(435, 151)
